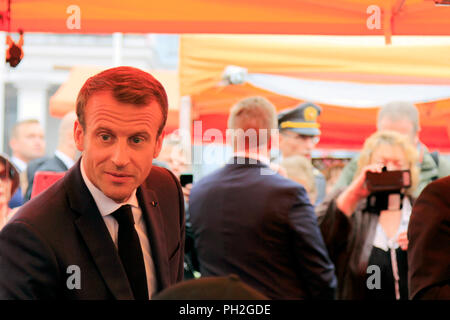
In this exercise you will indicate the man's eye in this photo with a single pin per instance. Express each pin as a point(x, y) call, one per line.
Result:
point(137, 140)
point(105, 137)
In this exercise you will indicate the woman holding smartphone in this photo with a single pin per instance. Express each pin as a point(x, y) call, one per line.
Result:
point(367, 248)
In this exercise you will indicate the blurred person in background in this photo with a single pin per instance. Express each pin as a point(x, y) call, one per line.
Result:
point(332, 174)
point(429, 239)
point(174, 158)
point(403, 117)
point(299, 135)
point(357, 237)
point(250, 221)
point(64, 157)
point(9, 182)
point(172, 155)
point(27, 143)
point(300, 170)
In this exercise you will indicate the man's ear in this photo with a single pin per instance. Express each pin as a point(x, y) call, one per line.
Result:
point(78, 135)
point(158, 145)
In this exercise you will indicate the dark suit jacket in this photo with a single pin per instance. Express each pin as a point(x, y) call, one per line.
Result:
point(42, 164)
point(63, 227)
point(263, 229)
point(429, 243)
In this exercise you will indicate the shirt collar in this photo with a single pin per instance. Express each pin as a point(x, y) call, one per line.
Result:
point(20, 164)
point(253, 155)
point(68, 161)
point(106, 205)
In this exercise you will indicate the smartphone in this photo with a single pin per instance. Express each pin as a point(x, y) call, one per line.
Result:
point(186, 178)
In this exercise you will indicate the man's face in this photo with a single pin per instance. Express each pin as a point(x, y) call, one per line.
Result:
point(403, 126)
point(292, 143)
point(29, 142)
point(119, 143)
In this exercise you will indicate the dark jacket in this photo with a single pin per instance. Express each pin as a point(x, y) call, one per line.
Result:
point(262, 228)
point(53, 164)
point(349, 242)
point(62, 227)
point(429, 243)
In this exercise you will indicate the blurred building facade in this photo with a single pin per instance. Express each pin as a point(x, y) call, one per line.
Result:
point(48, 59)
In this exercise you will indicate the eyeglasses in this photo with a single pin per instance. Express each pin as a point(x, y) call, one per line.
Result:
point(7, 173)
point(4, 175)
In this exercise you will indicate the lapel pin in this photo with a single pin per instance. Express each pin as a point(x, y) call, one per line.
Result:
point(154, 204)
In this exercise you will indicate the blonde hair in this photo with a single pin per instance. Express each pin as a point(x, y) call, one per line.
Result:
point(300, 169)
point(253, 113)
point(391, 138)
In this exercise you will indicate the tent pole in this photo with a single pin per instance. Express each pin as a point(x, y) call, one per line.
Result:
point(117, 48)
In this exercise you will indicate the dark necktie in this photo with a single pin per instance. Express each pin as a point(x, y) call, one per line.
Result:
point(130, 252)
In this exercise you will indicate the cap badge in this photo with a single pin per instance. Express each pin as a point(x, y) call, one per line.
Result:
point(310, 114)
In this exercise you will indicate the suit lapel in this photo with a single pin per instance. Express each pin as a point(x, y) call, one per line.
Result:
point(96, 235)
point(156, 234)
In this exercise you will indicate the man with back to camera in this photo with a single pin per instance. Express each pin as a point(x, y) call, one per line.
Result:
point(27, 143)
point(249, 221)
point(403, 117)
point(299, 135)
point(113, 222)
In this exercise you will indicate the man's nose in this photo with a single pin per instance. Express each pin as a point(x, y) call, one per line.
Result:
point(121, 154)
point(309, 143)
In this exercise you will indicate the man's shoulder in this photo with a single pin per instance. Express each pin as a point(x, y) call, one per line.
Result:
point(163, 183)
point(439, 186)
point(45, 209)
point(263, 178)
point(159, 176)
point(52, 164)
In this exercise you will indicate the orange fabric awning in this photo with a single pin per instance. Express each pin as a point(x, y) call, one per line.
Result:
point(338, 17)
point(342, 127)
point(203, 59)
point(64, 98)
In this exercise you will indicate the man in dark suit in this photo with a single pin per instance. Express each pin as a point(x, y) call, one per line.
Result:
point(429, 243)
point(113, 227)
point(64, 157)
point(250, 221)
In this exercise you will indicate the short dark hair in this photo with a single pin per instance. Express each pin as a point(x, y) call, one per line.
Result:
point(127, 85)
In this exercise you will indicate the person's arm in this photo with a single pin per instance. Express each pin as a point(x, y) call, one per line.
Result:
point(347, 174)
point(335, 213)
point(28, 269)
point(313, 259)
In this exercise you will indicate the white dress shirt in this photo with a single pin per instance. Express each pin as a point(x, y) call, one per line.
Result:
point(68, 161)
point(106, 206)
point(20, 164)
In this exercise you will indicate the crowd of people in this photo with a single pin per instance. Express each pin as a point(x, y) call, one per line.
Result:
point(283, 227)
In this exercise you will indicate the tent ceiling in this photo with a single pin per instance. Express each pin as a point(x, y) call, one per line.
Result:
point(310, 57)
point(338, 17)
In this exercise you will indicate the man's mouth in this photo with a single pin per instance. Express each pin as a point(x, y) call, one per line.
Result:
point(119, 177)
point(119, 174)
